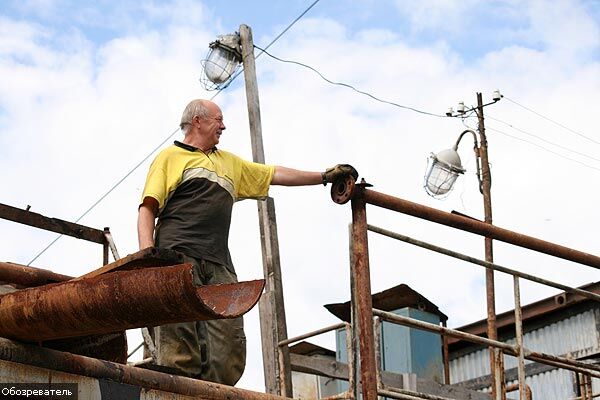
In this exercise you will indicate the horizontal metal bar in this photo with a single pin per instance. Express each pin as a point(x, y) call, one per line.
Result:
point(479, 228)
point(562, 362)
point(508, 349)
point(100, 369)
point(403, 394)
point(595, 395)
point(339, 396)
point(311, 334)
point(390, 317)
point(394, 395)
point(51, 224)
point(486, 264)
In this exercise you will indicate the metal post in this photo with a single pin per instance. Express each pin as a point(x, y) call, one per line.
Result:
point(446, 356)
point(378, 355)
point(351, 351)
point(496, 358)
point(353, 361)
point(519, 339)
point(272, 310)
point(111, 244)
point(364, 303)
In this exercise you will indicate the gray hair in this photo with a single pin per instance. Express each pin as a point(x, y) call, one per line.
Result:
point(194, 107)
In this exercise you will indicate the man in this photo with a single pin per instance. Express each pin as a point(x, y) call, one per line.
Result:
point(191, 188)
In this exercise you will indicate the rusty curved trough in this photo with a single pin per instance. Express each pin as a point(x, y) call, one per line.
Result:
point(118, 301)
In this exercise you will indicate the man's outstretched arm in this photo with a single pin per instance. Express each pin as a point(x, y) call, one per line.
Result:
point(293, 177)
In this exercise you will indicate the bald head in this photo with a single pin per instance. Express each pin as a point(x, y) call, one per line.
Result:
point(198, 107)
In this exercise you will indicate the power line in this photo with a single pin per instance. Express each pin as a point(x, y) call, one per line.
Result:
point(107, 193)
point(542, 147)
point(350, 86)
point(551, 120)
point(166, 139)
point(543, 140)
point(287, 28)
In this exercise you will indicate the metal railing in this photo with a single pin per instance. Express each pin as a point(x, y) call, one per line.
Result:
point(370, 373)
point(27, 217)
point(349, 394)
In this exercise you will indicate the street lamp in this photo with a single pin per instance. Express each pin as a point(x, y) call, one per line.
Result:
point(444, 168)
point(442, 172)
point(222, 61)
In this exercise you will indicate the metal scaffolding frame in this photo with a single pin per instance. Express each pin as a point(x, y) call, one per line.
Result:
point(365, 316)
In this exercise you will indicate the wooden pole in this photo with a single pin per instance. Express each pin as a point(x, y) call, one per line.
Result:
point(496, 357)
point(271, 307)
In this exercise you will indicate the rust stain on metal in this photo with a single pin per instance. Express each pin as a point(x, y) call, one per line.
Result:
point(118, 301)
point(364, 306)
point(342, 190)
point(147, 379)
point(149, 257)
point(480, 228)
point(26, 276)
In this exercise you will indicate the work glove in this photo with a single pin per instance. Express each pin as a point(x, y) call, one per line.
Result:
point(339, 171)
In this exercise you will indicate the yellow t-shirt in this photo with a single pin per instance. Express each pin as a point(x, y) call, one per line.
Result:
point(195, 193)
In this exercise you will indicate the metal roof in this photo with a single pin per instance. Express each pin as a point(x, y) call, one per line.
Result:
point(544, 308)
point(392, 299)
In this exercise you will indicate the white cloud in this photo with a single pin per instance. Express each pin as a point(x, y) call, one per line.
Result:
point(446, 15)
point(76, 119)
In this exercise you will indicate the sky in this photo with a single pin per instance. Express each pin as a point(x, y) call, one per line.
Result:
point(89, 91)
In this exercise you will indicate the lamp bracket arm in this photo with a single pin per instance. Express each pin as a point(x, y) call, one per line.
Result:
point(477, 154)
point(475, 142)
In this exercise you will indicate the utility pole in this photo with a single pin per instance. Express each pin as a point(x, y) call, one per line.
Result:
point(496, 356)
point(271, 306)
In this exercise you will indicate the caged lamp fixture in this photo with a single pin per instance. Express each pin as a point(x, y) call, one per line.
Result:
point(444, 168)
point(222, 61)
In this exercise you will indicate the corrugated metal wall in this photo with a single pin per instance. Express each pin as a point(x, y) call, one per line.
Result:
point(577, 334)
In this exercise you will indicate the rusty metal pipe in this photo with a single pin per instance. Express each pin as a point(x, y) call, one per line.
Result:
point(560, 362)
point(378, 360)
point(473, 260)
point(446, 356)
point(395, 395)
point(519, 339)
point(409, 394)
point(362, 287)
point(91, 367)
point(26, 276)
point(118, 301)
point(479, 228)
point(399, 319)
point(528, 392)
point(350, 348)
point(311, 334)
point(63, 227)
point(543, 358)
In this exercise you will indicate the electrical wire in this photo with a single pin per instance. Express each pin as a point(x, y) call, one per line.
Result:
point(166, 139)
point(108, 192)
point(542, 147)
point(551, 120)
point(488, 116)
point(238, 73)
point(543, 140)
point(350, 86)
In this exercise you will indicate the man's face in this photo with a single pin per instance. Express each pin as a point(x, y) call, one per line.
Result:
point(212, 126)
